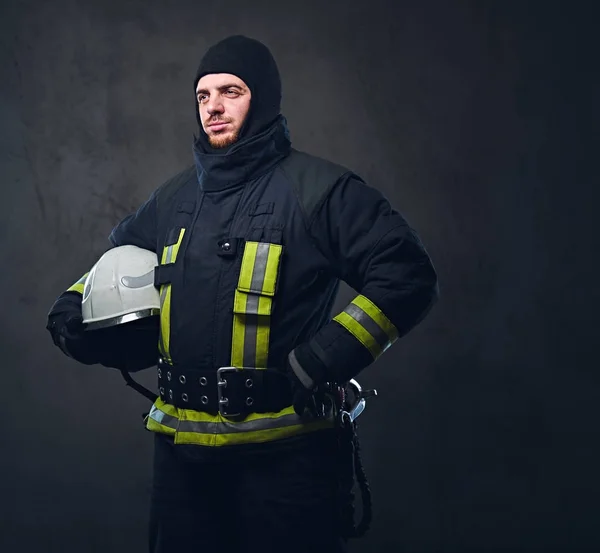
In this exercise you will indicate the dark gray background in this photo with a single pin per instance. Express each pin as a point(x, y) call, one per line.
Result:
point(476, 120)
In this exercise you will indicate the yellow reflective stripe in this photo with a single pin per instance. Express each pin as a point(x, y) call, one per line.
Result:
point(166, 408)
point(257, 436)
point(358, 331)
point(378, 316)
point(162, 418)
point(165, 321)
point(177, 245)
point(253, 303)
point(78, 286)
point(169, 255)
point(263, 332)
point(272, 269)
point(369, 325)
point(245, 280)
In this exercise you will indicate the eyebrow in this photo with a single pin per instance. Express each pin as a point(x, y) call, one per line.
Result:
point(220, 88)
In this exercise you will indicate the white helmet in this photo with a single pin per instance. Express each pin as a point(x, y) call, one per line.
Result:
point(120, 288)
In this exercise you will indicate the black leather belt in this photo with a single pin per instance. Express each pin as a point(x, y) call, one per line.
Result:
point(230, 391)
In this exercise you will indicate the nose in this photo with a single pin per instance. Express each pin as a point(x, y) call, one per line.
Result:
point(214, 105)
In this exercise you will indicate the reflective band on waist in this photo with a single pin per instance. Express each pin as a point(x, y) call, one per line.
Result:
point(369, 325)
point(78, 286)
point(253, 304)
point(194, 427)
point(169, 256)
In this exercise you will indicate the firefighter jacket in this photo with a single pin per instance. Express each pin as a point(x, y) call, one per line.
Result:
point(252, 245)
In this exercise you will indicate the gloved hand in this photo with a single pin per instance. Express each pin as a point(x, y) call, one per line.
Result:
point(68, 325)
point(129, 347)
point(65, 324)
point(306, 375)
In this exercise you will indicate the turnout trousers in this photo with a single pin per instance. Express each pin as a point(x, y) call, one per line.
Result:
point(283, 498)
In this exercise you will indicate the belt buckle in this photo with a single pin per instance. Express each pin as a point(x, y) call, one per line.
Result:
point(223, 399)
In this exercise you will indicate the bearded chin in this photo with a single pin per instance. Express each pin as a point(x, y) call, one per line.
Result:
point(219, 142)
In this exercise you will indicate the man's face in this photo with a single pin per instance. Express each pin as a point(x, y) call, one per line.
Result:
point(223, 103)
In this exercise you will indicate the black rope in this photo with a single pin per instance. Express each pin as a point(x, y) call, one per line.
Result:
point(365, 491)
point(351, 467)
point(138, 387)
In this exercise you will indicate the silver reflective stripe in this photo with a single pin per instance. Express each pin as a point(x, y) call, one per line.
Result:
point(163, 295)
point(250, 337)
point(302, 375)
point(260, 268)
point(252, 304)
point(251, 323)
point(227, 427)
point(368, 324)
point(162, 418)
point(262, 424)
point(169, 254)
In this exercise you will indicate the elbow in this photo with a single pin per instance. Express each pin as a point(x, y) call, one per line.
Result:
point(434, 287)
point(430, 289)
point(421, 301)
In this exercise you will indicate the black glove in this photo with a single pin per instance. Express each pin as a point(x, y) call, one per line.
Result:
point(131, 346)
point(65, 324)
point(306, 374)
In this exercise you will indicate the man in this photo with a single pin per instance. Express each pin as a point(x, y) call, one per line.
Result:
point(253, 240)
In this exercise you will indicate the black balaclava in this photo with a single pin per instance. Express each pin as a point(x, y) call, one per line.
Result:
point(251, 61)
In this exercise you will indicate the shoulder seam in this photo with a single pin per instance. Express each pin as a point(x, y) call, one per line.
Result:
point(325, 196)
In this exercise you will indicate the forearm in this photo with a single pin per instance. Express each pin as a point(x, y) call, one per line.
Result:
point(374, 250)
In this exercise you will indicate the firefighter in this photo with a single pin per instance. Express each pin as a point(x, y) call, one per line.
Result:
point(251, 241)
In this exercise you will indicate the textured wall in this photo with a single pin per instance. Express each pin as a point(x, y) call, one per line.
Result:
point(475, 120)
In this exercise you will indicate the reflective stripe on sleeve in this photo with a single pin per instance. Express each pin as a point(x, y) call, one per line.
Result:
point(78, 286)
point(369, 325)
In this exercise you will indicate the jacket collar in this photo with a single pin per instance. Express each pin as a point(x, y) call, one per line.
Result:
point(248, 159)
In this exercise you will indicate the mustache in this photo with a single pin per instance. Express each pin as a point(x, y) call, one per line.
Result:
point(213, 121)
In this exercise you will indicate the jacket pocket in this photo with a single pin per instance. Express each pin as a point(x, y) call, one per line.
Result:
point(253, 304)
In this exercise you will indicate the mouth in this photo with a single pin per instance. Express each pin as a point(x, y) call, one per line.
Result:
point(217, 126)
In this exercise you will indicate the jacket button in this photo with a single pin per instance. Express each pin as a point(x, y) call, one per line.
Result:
point(226, 246)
